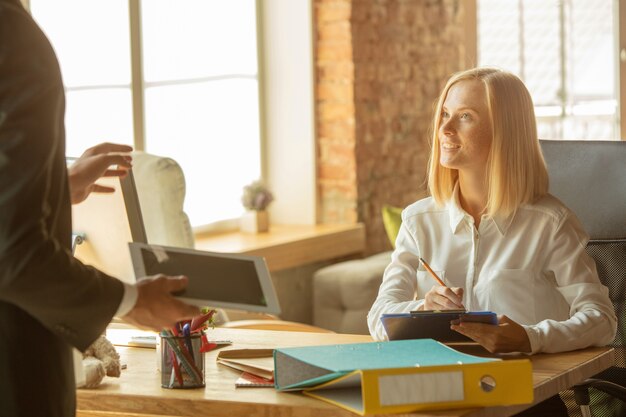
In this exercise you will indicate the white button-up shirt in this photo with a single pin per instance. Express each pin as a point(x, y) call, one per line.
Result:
point(531, 266)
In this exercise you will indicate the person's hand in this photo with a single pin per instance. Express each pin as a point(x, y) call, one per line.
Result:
point(156, 308)
point(443, 298)
point(506, 336)
point(94, 163)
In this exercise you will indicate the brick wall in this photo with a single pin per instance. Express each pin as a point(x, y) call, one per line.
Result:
point(380, 65)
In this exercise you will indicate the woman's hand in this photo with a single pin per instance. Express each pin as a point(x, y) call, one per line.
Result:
point(443, 298)
point(506, 336)
point(94, 163)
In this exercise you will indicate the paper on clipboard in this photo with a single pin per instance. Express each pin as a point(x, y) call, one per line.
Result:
point(432, 324)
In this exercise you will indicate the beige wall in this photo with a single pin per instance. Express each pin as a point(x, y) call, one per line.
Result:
point(287, 106)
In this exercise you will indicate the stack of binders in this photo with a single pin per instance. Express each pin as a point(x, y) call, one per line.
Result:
point(402, 376)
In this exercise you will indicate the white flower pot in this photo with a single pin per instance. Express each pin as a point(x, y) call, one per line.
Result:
point(254, 222)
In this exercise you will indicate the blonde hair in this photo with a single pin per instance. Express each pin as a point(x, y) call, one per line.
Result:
point(516, 170)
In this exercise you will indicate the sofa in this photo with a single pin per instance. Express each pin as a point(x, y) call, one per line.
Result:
point(344, 292)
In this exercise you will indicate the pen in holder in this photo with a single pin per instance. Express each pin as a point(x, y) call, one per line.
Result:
point(182, 362)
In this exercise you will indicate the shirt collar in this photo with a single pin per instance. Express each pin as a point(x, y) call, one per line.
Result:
point(457, 215)
point(503, 222)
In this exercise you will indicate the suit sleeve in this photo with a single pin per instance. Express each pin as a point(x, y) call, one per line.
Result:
point(38, 273)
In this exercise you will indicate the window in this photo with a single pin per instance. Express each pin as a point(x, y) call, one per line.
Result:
point(565, 51)
point(178, 79)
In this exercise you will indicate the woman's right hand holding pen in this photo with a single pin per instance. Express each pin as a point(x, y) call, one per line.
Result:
point(440, 297)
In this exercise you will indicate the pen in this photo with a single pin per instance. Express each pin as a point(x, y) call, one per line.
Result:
point(187, 335)
point(432, 272)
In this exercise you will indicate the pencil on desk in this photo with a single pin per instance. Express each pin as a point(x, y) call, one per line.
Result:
point(439, 280)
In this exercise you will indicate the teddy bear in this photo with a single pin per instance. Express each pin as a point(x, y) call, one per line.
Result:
point(100, 360)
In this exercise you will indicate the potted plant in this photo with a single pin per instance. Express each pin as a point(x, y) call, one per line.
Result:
point(255, 199)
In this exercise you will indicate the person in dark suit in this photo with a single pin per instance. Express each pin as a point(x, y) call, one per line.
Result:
point(49, 301)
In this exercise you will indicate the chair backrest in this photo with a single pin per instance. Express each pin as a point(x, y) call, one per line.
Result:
point(590, 178)
point(161, 190)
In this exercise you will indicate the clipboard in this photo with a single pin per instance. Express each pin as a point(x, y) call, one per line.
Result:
point(432, 324)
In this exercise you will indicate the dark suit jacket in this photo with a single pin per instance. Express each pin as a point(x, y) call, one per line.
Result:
point(48, 300)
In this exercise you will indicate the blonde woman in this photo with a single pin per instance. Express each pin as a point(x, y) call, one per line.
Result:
point(492, 232)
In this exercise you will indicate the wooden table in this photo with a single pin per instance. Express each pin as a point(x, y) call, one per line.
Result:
point(138, 391)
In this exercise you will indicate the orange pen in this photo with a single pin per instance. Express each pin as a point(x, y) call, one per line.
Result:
point(428, 268)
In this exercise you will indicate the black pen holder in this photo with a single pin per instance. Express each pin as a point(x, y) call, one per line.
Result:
point(181, 362)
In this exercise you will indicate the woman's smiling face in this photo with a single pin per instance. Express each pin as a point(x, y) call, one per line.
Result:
point(465, 133)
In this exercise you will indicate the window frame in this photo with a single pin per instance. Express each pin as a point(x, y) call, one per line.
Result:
point(619, 7)
point(621, 51)
point(283, 83)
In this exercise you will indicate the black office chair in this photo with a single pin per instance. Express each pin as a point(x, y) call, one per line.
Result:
point(590, 178)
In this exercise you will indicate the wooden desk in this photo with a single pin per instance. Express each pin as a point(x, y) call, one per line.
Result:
point(138, 391)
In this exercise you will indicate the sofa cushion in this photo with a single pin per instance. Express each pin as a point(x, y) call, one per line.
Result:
point(392, 219)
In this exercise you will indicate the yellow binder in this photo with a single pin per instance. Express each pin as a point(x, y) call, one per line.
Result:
point(380, 391)
point(401, 376)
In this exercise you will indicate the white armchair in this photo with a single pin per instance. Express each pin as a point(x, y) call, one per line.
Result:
point(161, 190)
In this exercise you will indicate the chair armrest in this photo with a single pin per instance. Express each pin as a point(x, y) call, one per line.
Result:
point(581, 390)
point(343, 293)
